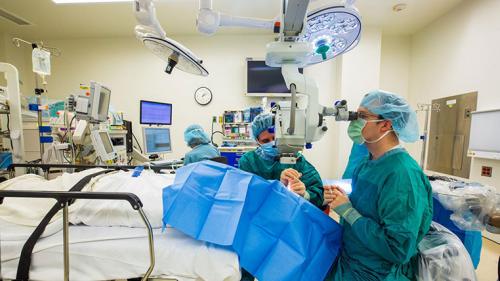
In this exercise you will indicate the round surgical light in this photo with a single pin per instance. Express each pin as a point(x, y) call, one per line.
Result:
point(176, 55)
point(332, 31)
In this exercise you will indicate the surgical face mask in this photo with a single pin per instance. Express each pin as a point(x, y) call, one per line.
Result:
point(356, 128)
point(268, 150)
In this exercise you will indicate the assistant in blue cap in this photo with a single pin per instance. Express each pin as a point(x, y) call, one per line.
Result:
point(199, 141)
point(302, 177)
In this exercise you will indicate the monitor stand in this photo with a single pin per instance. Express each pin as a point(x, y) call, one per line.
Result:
point(154, 157)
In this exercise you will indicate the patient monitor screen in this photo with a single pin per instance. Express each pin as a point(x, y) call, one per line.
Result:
point(155, 113)
point(104, 99)
point(108, 147)
point(157, 140)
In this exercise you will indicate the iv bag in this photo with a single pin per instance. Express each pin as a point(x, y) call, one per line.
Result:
point(41, 61)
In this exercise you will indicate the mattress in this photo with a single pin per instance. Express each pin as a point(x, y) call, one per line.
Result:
point(107, 253)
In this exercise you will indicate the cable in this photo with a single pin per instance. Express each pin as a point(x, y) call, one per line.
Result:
point(7, 107)
point(8, 129)
point(213, 133)
point(138, 144)
point(64, 156)
point(68, 129)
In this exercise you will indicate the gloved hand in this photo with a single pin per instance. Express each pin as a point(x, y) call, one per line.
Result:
point(338, 197)
point(328, 194)
point(289, 175)
point(298, 187)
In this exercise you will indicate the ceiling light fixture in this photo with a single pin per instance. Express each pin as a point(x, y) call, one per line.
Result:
point(88, 1)
point(332, 31)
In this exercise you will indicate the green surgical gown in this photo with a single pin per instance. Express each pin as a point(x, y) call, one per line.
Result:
point(394, 199)
point(271, 170)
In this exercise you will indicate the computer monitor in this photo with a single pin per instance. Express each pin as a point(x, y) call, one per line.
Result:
point(103, 145)
point(263, 80)
point(155, 113)
point(94, 104)
point(102, 96)
point(156, 140)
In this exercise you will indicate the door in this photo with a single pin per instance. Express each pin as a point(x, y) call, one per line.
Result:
point(449, 135)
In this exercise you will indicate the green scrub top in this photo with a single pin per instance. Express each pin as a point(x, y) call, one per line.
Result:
point(200, 153)
point(394, 198)
point(271, 170)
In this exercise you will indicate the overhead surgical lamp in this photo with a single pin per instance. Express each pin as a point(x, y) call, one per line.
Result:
point(154, 38)
point(332, 31)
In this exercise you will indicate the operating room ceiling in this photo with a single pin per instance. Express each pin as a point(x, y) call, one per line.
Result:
point(51, 21)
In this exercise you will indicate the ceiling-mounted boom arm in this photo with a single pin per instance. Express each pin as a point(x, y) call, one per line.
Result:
point(145, 13)
point(209, 21)
point(294, 17)
point(150, 32)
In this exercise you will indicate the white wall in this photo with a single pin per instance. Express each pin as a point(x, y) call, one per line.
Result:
point(395, 64)
point(395, 77)
point(460, 53)
point(457, 54)
point(21, 59)
point(359, 73)
point(2, 58)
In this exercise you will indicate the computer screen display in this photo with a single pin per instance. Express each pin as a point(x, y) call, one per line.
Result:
point(265, 79)
point(156, 113)
point(108, 146)
point(104, 99)
point(157, 140)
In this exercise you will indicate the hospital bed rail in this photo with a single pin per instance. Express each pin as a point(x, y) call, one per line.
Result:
point(65, 199)
point(46, 167)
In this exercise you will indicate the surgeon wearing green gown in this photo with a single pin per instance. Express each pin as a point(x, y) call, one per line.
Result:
point(390, 208)
point(302, 177)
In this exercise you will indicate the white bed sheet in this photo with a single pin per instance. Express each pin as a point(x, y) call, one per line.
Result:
point(105, 253)
point(30, 211)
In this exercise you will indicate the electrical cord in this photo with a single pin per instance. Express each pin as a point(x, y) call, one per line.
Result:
point(138, 144)
point(213, 133)
point(68, 129)
point(8, 129)
point(7, 107)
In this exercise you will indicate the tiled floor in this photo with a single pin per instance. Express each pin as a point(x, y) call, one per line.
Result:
point(488, 266)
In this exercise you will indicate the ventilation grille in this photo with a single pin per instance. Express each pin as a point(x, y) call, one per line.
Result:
point(13, 18)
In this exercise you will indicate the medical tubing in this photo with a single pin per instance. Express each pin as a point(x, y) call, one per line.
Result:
point(291, 129)
point(138, 144)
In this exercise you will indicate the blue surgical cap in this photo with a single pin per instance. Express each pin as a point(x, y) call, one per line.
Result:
point(262, 122)
point(194, 134)
point(395, 108)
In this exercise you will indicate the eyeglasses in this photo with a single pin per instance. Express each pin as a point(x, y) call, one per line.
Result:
point(368, 116)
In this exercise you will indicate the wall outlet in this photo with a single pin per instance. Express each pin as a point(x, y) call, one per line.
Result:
point(486, 171)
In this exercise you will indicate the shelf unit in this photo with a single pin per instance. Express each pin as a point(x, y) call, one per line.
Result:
point(236, 125)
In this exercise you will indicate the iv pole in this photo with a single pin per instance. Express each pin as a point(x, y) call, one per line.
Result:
point(38, 91)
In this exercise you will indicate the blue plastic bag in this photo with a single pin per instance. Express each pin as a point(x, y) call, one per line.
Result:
point(277, 235)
